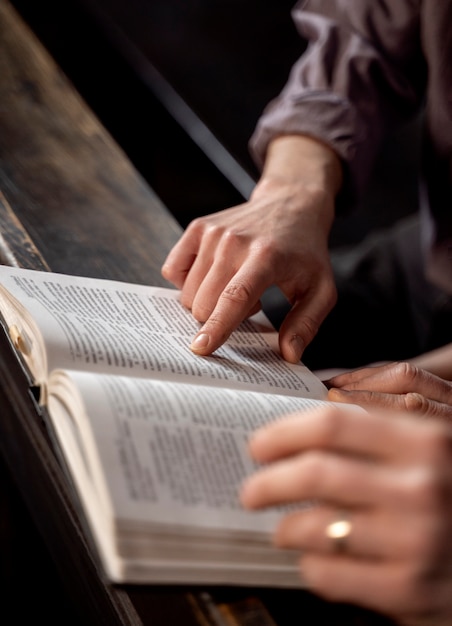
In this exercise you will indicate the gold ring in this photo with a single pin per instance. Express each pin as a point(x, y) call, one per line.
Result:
point(338, 531)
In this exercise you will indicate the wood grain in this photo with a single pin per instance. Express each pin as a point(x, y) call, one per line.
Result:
point(76, 195)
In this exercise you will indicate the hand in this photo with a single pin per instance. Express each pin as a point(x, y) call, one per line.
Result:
point(224, 262)
point(394, 386)
point(391, 476)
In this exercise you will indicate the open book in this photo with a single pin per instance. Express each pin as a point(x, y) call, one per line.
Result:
point(153, 437)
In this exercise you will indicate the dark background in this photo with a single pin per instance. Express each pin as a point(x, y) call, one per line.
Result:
point(219, 57)
point(171, 78)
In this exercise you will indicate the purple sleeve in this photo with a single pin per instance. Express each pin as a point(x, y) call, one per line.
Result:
point(362, 73)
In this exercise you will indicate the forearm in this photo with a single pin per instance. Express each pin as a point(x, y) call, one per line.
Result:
point(302, 159)
point(343, 90)
point(299, 165)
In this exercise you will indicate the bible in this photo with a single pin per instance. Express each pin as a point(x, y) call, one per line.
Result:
point(153, 438)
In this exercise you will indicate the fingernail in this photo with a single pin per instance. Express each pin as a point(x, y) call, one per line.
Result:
point(297, 345)
point(200, 342)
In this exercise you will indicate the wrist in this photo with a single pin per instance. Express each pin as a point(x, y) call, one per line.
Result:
point(302, 160)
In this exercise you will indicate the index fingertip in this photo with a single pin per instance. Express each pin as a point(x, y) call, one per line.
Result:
point(200, 344)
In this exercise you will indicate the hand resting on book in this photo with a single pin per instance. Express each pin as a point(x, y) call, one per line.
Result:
point(394, 386)
point(385, 477)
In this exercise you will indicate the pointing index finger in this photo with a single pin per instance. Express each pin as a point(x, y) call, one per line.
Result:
point(234, 304)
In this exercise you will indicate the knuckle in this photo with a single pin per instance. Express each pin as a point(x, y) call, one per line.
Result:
point(231, 239)
point(196, 225)
point(307, 327)
point(416, 402)
point(374, 398)
point(200, 312)
point(319, 473)
point(406, 372)
point(204, 227)
point(219, 326)
point(237, 293)
point(329, 426)
point(313, 467)
point(264, 249)
point(426, 488)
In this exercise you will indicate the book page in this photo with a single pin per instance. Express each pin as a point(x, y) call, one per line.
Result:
point(168, 452)
point(119, 328)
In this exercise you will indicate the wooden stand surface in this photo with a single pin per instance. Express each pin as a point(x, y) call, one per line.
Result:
point(70, 201)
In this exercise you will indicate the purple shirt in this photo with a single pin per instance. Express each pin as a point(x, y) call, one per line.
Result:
point(370, 65)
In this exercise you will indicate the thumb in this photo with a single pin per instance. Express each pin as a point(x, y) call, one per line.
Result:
point(298, 329)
